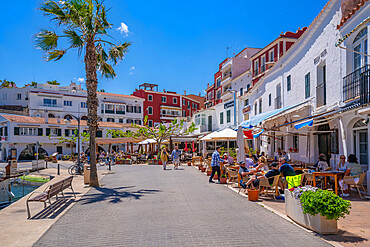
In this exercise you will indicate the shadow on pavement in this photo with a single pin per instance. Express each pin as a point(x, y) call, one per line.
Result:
point(345, 237)
point(115, 195)
point(59, 206)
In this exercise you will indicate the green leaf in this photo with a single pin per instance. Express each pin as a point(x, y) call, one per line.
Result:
point(46, 40)
point(74, 39)
point(55, 55)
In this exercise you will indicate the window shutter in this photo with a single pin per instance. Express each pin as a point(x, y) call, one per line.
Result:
point(40, 131)
point(47, 131)
point(59, 132)
point(66, 132)
point(16, 131)
point(6, 131)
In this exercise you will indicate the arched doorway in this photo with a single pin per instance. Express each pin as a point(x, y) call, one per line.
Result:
point(84, 118)
point(51, 115)
point(360, 142)
point(68, 116)
point(29, 153)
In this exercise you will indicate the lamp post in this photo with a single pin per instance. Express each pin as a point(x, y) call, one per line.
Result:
point(78, 137)
point(234, 92)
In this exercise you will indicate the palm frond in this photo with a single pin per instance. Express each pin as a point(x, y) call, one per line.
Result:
point(55, 55)
point(53, 9)
point(75, 40)
point(106, 70)
point(46, 40)
point(117, 53)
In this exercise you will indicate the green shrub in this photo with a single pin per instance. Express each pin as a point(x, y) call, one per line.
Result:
point(326, 203)
point(223, 176)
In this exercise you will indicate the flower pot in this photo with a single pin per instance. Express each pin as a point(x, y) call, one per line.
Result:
point(223, 180)
point(209, 172)
point(317, 223)
point(253, 195)
point(189, 163)
point(160, 162)
point(215, 176)
point(200, 167)
point(203, 169)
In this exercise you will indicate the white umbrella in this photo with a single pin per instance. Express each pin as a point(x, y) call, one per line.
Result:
point(240, 143)
point(147, 141)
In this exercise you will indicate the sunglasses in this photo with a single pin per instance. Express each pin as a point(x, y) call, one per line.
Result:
point(342, 158)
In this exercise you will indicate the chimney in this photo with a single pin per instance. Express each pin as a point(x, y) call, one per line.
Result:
point(199, 94)
point(208, 85)
point(184, 92)
point(46, 115)
point(164, 90)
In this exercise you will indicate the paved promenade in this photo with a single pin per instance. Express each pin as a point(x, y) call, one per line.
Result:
point(146, 206)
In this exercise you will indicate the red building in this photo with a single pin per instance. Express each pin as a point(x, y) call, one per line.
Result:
point(263, 60)
point(163, 107)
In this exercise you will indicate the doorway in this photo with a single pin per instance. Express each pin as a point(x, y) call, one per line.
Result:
point(360, 143)
point(209, 123)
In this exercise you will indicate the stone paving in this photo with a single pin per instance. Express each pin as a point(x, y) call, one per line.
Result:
point(147, 206)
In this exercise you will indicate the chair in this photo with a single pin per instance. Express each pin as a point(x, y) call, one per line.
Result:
point(350, 180)
point(233, 175)
point(264, 182)
point(307, 178)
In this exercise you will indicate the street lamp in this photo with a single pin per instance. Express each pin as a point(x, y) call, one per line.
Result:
point(68, 121)
point(234, 92)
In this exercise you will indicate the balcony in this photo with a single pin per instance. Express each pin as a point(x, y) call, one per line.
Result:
point(120, 112)
point(109, 111)
point(226, 77)
point(278, 104)
point(356, 85)
point(229, 62)
point(321, 95)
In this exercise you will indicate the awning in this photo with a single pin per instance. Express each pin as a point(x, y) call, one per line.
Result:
point(225, 134)
point(258, 134)
point(304, 124)
point(122, 140)
point(256, 120)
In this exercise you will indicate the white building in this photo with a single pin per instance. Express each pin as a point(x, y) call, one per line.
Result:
point(20, 134)
point(62, 102)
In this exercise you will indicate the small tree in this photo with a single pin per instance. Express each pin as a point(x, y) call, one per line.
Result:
point(161, 133)
point(54, 82)
point(7, 84)
point(72, 140)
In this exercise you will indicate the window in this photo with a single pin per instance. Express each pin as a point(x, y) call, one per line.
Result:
point(218, 94)
point(68, 103)
point(111, 120)
point(248, 87)
point(255, 72)
point(83, 105)
point(5, 96)
point(197, 119)
point(288, 83)
point(129, 121)
point(150, 110)
point(188, 104)
point(120, 109)
point(137, 109)
point(246, 102)
point(99, 133)
point(269, 99)
point(203, 119)
point(295, 141)
point(228, 116)
point(150, 97)
point(255, 108)
point(164, 99)
point(24, 131)
point(174, 100)
point(260, 104)
point(271, 56)
point(263, 64)
point(221, 118)
point(195, 106)
point(241, 91)
point(19, 96)
point(150, 123)
point(218, 82)
point(66, 132)
point(50, 102)
point(138, 122)
point(53, 132)
point(129, 108)
point(307, 85)
point(183, 102)
point(184, 113)
point(120, 120)
point(360, 45)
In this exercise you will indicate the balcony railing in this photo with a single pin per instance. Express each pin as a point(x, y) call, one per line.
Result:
point(50, 105)
point(356, 85)
point(120, 112)
point(263, 68)
point(321, 95)
point(278, 102)
point(109, 111)
point(226, 76)
point(255, 72)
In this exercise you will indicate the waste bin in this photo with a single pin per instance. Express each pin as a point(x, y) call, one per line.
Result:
point(86, 174)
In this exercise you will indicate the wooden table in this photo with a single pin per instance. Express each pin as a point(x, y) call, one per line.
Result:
point(328, 174)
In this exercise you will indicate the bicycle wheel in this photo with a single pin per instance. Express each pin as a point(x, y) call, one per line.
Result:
point(72, 170)
point(102, 162)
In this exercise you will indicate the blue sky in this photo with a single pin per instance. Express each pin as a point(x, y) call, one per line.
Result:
point(176, 44)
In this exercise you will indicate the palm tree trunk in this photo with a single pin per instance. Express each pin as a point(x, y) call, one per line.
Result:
point(92, 103)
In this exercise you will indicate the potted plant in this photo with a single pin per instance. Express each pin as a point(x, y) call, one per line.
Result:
point(203, 169)
point(316, 209)
point(223, 179)
point(189, 163)
point(209, 172)
point(215, 176)
point(253, 194)
point(295, 150)
point(200, 167)
point(290, 149)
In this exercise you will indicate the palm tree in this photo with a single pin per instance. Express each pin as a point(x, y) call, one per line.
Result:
point(84, 25)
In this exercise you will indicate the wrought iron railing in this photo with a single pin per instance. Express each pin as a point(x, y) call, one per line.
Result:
point(356, 85)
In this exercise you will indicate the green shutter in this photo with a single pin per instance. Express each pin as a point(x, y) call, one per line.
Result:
point(66, 132)
point(99, 133)
point(47, 131)
point(16, 131)
point(59, 132)
point(40, 131)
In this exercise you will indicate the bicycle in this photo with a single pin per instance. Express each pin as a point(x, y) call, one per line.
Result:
point(76, 169)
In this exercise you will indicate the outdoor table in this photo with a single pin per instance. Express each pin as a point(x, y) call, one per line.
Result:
point(328, 174)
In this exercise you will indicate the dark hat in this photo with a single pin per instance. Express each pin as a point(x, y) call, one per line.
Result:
point(241, 162)
point(218, 147)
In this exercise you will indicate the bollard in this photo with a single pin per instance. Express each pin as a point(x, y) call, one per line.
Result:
point(58, 169)
point(109, 167)
point(46, 164)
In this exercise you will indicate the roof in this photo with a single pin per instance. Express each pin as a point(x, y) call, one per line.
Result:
point(169, 93)
point(349, 8)
point(118, 95)
point(116, 140)
point(54, 121)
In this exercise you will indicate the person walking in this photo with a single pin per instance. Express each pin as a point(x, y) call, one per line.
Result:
point(164, 157)
point(215, 164)
point(175, 156)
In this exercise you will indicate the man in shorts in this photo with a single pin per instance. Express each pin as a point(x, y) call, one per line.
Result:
point(175, 155)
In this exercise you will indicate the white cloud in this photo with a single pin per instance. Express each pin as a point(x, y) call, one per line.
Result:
point(81, 79)
point(131, 73)
point(123, 29)
point(132, 68)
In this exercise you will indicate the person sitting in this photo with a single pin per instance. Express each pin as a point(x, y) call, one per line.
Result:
point(255, 180)
point(230, 160)
point(286, 170)
point(321, 165)
point(353, 169)
point(243, 171)
point(286, 156)
point(262, 164)
point(249, 162)
point(342, 165)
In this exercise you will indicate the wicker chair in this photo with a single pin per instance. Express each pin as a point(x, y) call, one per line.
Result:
point(350, 181)
point(232, 174)
point(264, 182)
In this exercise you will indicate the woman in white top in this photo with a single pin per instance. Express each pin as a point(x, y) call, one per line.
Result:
point(262, 164)
point(322, 165)
point(342, 165)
